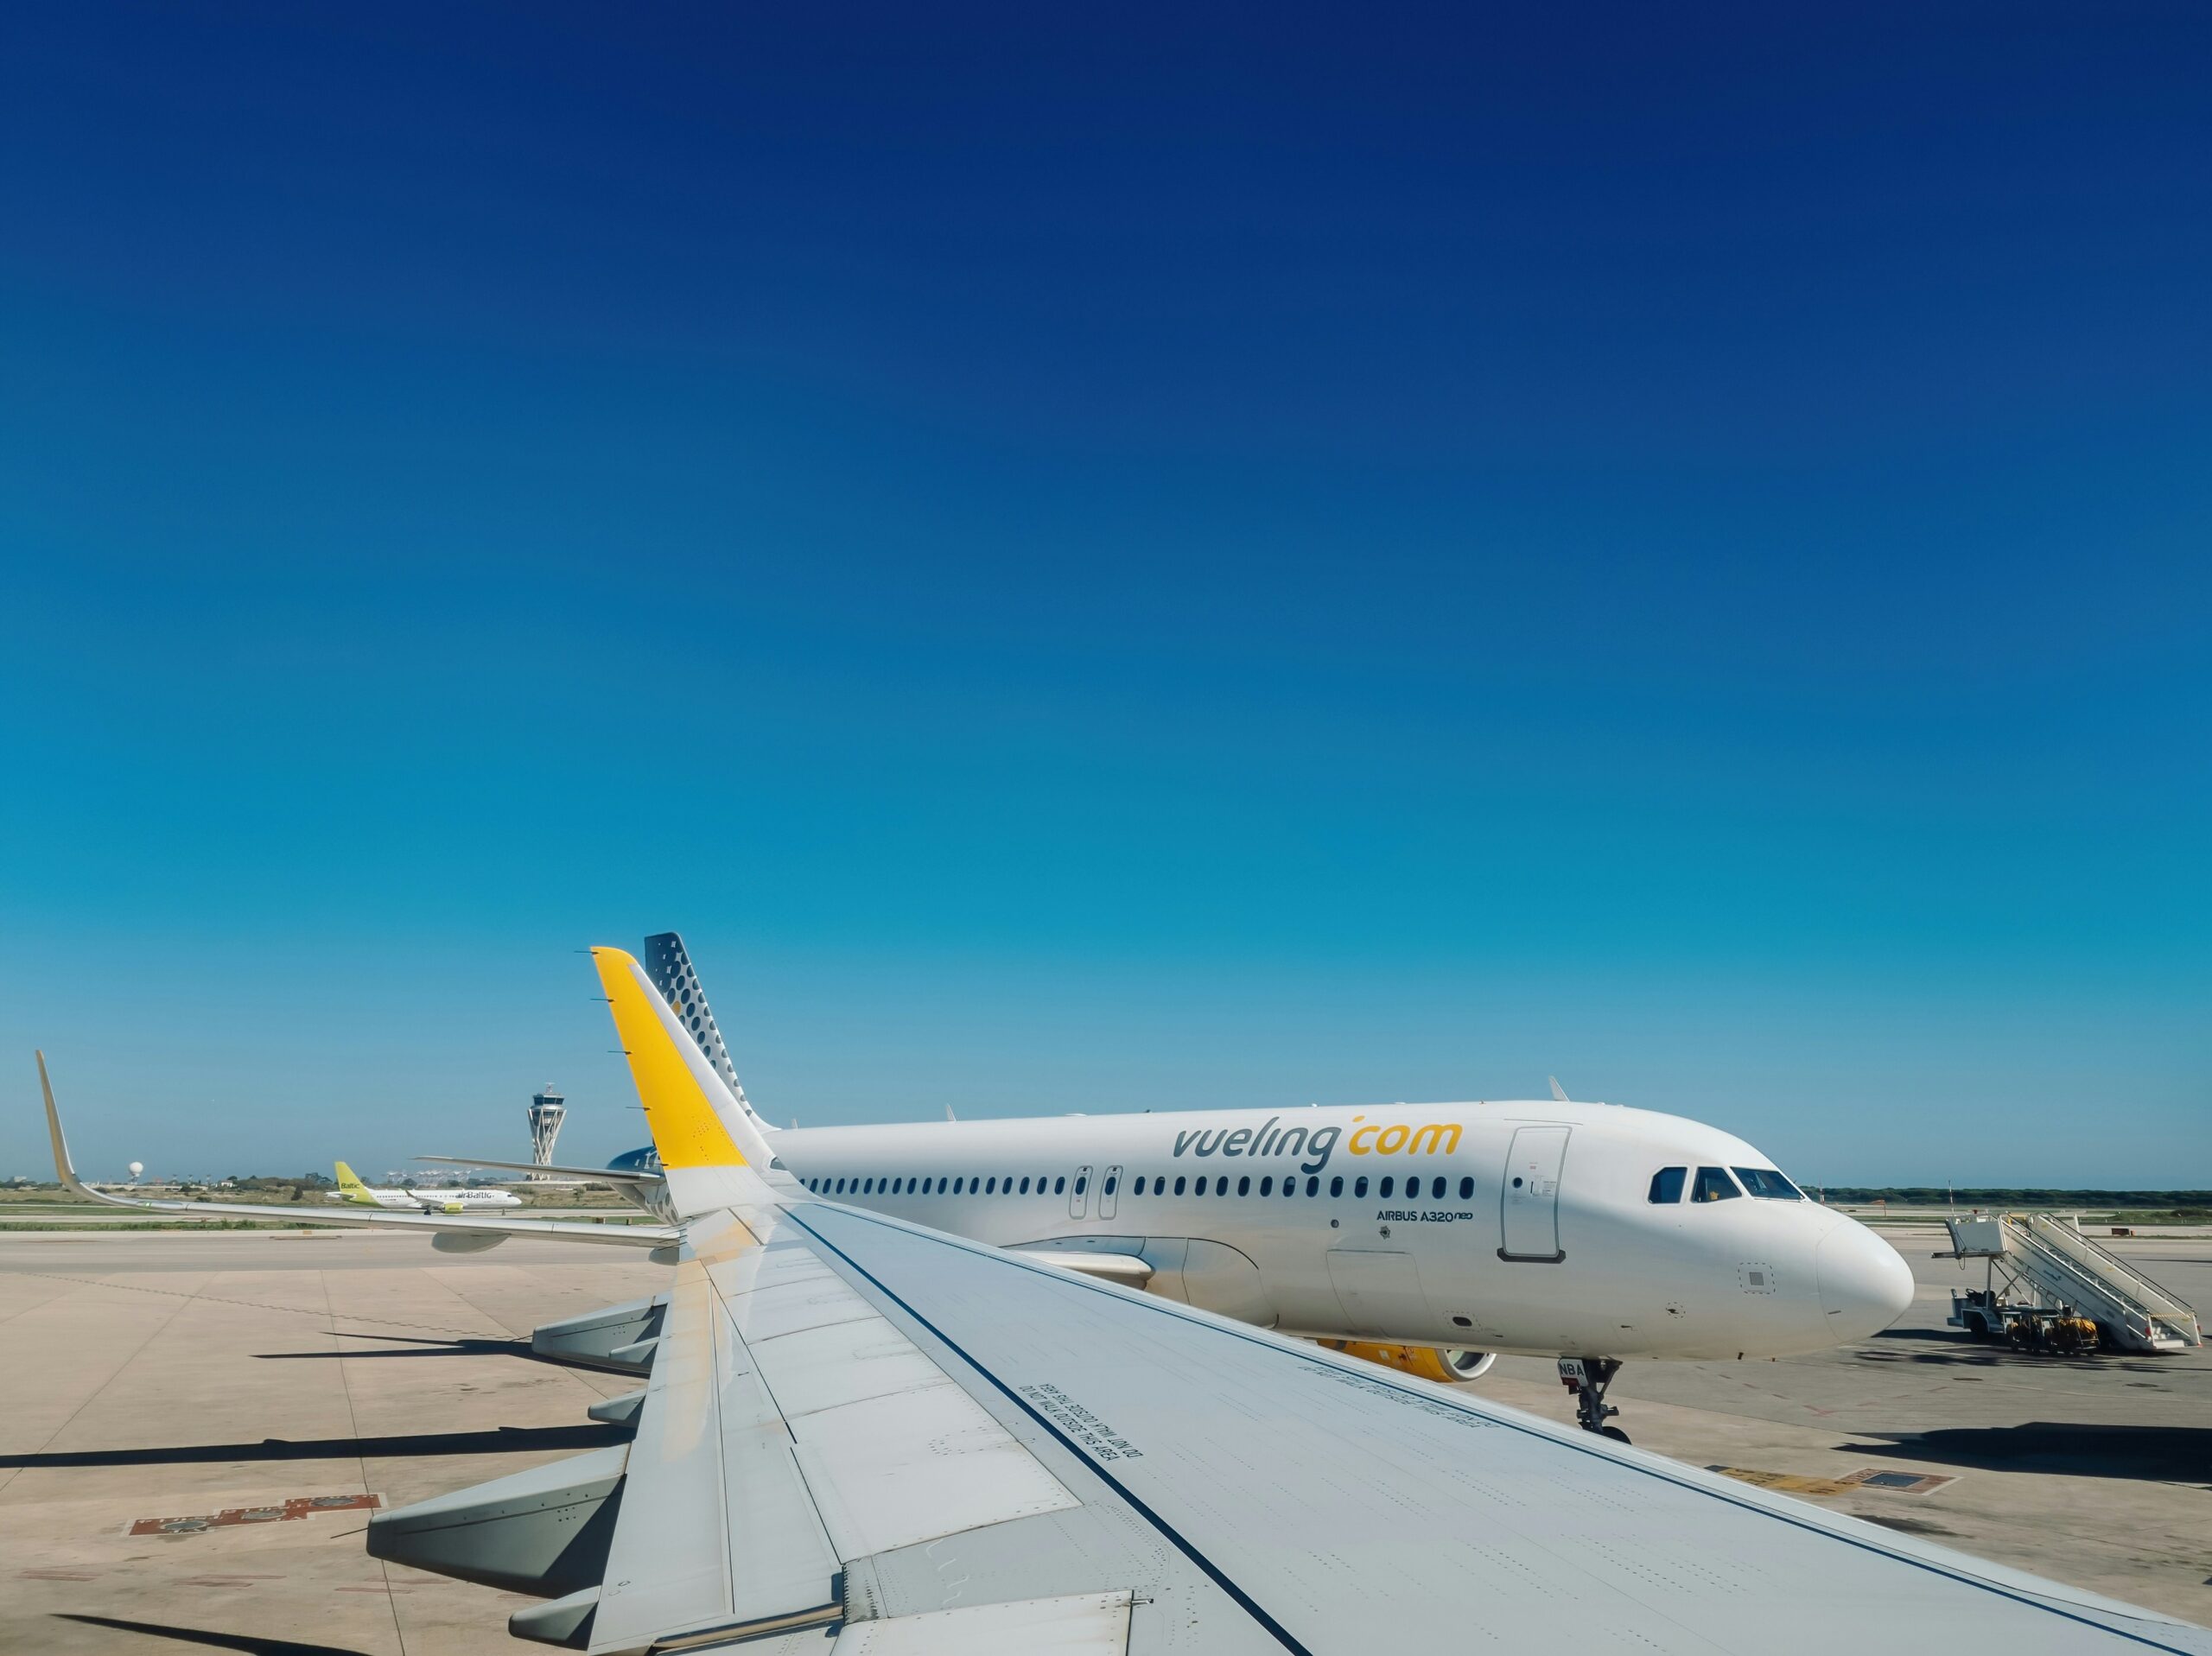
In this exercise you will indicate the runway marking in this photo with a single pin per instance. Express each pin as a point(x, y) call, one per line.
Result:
point(252, 1304)
point(361, 1462)
point(93, 1396)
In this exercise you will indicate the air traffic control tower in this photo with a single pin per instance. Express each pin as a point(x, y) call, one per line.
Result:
point(547, 1111)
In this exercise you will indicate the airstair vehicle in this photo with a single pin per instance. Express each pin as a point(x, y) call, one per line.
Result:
point(2049, 1288)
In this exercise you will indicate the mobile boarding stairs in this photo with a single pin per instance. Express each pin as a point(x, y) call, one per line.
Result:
point(2045, 1278)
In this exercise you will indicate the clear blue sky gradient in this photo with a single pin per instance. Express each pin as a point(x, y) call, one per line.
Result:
point(1095, 561)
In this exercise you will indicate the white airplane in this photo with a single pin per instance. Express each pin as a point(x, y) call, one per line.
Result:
point(859, 1436)
point(415, 1198)
point(1425, 1237)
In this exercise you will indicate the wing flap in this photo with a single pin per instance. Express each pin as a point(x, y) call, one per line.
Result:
point(762, 1464)
point(840, 1363)
point(1077, 1624)
point(893, 1471)
point(718, 1529)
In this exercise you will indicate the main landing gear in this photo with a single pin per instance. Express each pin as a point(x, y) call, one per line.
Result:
point(1587, 1378)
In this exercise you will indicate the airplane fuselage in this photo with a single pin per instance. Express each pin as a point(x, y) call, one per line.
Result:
point(1515, 1226)
point(412, 1200)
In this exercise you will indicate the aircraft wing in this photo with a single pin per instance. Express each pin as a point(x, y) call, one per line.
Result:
point(491, 1230)
point(611, 1175)
point(921, 1446)
point(862, 1438)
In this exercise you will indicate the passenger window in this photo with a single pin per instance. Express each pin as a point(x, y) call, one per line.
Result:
point(1244, 1185)
point(1714, 1185)
point(1666, 1185)
point(1267, 1186)
point(1221, 1185)
point(1336, 1185)
point(1436, 1188)
point(942, 1185)
point(1060, 1185)
point(1313, 1186)
point(1384, 1190)
point(1111, 1181)
point(959, 1187)
point(1769, 1185)
point(1082, 1182)
point(1138, 1188)
point(991, 1186)
point(1359, 1185)
point(1178, 1184)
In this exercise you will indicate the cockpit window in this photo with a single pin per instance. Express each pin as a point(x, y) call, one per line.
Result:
point(1769, 1185)
point(1714, 1185)
point(1667, 1184)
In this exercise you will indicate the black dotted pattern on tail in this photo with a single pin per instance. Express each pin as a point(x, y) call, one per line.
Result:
point(669, 967)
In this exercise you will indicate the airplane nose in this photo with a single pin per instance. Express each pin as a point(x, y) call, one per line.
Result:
point(1864, 1285)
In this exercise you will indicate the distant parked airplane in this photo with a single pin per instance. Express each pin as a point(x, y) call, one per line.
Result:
point(412, 1200)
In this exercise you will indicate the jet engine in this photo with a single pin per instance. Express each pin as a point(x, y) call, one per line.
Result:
point(1449, 1367)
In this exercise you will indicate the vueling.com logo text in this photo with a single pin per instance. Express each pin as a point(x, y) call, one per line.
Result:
point(1373, 1140)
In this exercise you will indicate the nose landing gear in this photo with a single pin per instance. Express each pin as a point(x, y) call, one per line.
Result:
point(1587, 1378)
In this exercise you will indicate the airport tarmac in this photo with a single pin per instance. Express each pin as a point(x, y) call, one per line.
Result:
point(188, 1385)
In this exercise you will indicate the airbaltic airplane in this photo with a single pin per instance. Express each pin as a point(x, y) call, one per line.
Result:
point(1426, 1237)
point(414, 1199)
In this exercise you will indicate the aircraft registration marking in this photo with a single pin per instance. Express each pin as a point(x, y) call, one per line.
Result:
point(1080, 1424)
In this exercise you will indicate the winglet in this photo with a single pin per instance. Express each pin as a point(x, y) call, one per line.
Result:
point(1559, 1092)
point(64, 1169)
point(696, 1120)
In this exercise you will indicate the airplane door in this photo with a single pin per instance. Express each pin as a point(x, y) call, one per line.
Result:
point(1108, 1198)
point(1528, 1202)
point(1078, 1192)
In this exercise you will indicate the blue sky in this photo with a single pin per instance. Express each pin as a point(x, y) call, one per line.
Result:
point(1089, 563)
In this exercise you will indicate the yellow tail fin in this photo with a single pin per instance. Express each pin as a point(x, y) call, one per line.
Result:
point(696, 1120)
point(350, 1186)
